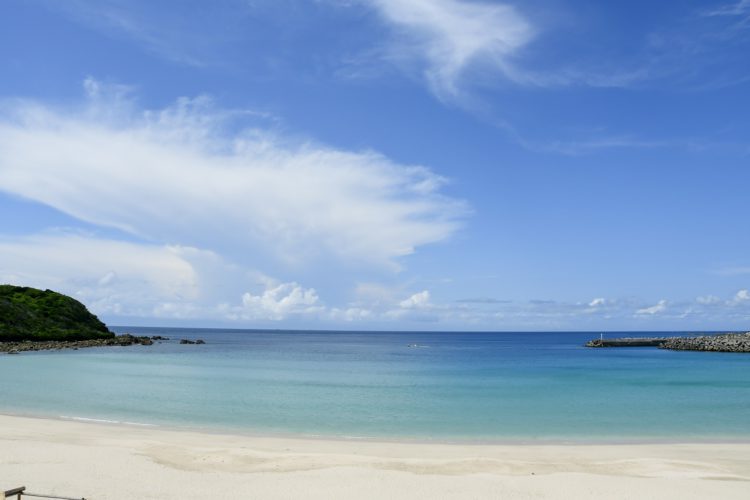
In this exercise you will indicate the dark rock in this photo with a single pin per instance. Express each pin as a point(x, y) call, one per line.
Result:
point(28, 345)
point(186, 341)
point(200, 341)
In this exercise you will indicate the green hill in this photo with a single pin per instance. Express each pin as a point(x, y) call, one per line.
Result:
point(32, 314)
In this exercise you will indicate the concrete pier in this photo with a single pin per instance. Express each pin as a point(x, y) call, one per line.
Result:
point(628, 342)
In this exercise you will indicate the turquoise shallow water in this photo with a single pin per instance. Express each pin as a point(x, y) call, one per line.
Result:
point(454, 386)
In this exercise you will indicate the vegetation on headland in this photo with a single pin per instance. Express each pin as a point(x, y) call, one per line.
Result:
point(43, 315)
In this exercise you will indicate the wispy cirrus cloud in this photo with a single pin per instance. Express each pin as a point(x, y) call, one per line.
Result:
point(733, 271)
point(185, 40)
point(740, 8)
point(450, 38)
point(453, 45)
point(466, 50)
point(187, 174)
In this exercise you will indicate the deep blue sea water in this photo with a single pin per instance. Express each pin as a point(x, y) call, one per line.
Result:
point(452, 386)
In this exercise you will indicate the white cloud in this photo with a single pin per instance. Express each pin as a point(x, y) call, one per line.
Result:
point(453, 36)
point(741, 297)
point(419, 300)
point(277, 302)
point(450, 40)
point(708, 300)
point(598, 302)
point(178, 175)
point(659, 307)
point(109, 276)
point(117, 278)
point(418, 308)
point(351, 314)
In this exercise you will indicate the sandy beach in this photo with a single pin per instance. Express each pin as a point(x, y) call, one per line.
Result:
point(105, 461)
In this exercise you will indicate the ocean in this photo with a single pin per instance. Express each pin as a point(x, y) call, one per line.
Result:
point(449, 386)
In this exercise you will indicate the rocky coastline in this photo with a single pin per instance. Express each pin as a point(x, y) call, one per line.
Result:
point(50, 345)
point(16, 347)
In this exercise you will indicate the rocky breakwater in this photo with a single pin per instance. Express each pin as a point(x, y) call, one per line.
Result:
point(48, 345)
point(728, 342)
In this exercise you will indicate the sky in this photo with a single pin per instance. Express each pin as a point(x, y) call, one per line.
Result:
point(380, 164)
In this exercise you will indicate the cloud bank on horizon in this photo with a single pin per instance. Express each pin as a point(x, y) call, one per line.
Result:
point(503, 165)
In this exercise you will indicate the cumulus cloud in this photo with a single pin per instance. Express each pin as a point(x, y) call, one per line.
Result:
point(419, 300)
point(186, 174)
point(280, 301)
point(452, 36)
point(659, 307)
point(743, 296)
point(117, 278)
point(418, 308)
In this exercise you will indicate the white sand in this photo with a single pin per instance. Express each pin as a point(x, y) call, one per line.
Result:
point(100, 462)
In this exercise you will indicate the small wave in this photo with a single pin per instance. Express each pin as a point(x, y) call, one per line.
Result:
point(105, 421)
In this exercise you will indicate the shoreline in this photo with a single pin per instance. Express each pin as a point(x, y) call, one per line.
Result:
point(105, 461)
point(414, 440)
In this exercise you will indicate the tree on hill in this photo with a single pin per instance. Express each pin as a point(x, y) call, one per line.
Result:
point(32, 314)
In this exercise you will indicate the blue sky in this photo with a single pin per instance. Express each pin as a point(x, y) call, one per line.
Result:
point(380, 164)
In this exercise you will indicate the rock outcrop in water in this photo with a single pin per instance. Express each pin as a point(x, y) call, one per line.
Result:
point(192, 342)
point(56, 345)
